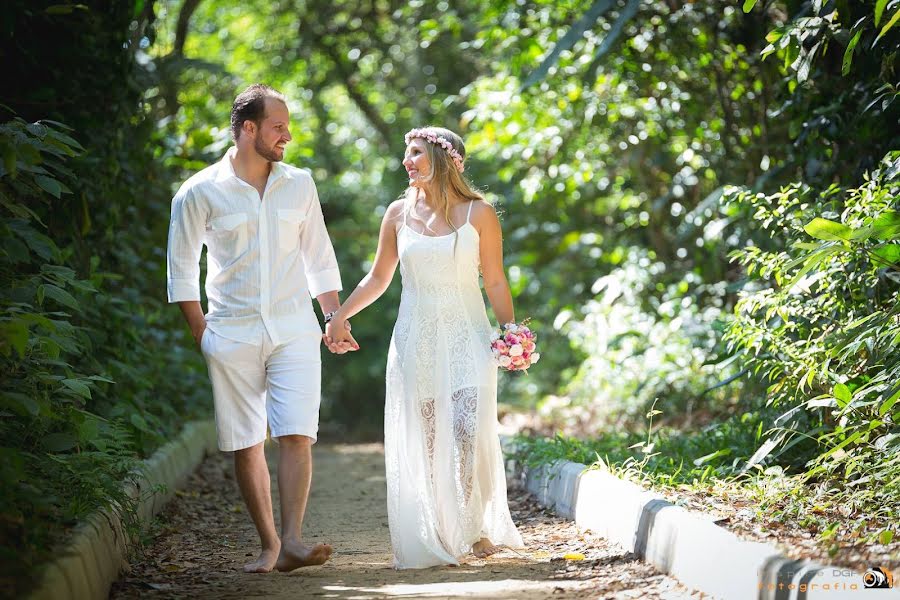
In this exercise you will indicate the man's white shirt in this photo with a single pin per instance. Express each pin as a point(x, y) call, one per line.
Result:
point(265, 258)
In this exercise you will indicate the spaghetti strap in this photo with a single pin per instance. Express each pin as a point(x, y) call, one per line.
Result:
point(469, 214)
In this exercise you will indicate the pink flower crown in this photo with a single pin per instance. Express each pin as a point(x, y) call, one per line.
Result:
point(437, 140)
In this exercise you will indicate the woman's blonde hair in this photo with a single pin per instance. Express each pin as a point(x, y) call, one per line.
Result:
point(446, 179)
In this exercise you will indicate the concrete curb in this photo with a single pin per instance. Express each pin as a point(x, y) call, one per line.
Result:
point(686, 545)
point(90, 563)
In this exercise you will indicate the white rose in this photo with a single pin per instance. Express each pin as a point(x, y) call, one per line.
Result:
point(536, 356)
point(495, 335)
point(512, 327)
point(516, 350)
point(504, 361)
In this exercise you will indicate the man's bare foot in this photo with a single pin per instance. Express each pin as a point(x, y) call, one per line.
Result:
point(484, 548)
point(265, 563)
point(295, 555)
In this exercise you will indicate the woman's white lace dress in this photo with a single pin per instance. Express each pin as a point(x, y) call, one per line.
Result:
point(446, 485)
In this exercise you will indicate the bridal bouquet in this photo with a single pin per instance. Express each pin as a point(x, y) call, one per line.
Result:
point(514, 347)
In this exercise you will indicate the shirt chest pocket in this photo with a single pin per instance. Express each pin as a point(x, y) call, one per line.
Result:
point(228, 235)
point(289, 221)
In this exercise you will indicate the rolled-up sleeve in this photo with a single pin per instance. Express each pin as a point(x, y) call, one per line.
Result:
point(320, 263)
point(186, 227)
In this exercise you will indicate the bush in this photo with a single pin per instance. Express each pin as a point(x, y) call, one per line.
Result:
point(97, 369)
point(642, 344)
point(819, 323)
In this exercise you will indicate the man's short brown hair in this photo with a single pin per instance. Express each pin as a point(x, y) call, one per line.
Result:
point(250, 105)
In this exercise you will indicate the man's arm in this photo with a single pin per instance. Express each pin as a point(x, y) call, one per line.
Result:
point(320, 265)
point(329, 301)
point(183, 259)
point(319, 261)
point(193, 314)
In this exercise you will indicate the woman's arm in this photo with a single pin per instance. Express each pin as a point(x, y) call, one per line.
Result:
point(491, 250)
point(376, 281)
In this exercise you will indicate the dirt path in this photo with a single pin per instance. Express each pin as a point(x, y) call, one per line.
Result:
point(204, 536)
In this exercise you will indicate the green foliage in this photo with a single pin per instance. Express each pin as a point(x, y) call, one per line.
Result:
point(839, 104)
point(666, 456)
point(821, 323)
point(60, 460)
point(813, 284)
point(97, 370)
point(642, 344)
point(607, 133)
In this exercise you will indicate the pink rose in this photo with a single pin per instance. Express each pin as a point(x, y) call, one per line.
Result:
point(504, 361)
point(516, 350)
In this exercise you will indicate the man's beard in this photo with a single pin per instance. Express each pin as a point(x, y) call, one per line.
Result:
point(267, 153)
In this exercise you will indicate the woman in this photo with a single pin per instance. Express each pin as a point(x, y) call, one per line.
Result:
point(445, 475)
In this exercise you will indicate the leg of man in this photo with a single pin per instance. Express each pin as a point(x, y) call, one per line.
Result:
point(252, 474)
point(238, 379)
point(294, 372)
point(294, 477)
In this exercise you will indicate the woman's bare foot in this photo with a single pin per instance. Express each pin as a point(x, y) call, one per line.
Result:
point(295, 555)
point(265, 563)
point(484, 548)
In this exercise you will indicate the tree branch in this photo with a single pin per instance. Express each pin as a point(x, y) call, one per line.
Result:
point(345, 75)
point(181, 28)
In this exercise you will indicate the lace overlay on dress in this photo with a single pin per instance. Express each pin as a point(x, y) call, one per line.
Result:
point(445, 475)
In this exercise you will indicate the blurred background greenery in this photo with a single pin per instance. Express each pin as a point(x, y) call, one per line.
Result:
point(658, 167)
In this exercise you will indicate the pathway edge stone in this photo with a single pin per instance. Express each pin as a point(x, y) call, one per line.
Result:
point(91, 560)
point(686, 545)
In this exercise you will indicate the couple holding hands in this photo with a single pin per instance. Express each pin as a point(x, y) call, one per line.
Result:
point(268, 253)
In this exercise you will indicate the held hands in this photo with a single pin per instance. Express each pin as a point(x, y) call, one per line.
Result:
point(337, 337)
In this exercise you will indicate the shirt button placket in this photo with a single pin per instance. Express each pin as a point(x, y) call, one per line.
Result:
point(264, 266)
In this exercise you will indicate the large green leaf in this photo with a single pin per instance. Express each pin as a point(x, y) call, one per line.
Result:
point(887, 226)
point(888, 404)
point(842, 394)
point(848, 53)
point(823, 229)
point(879, 9)
point(888, 26)
point(37, 242)
point(14, 334)
point(61, 296)
point(49, 185)
point(22, 404)
point(140, 423)
point(889, 254)
point(77, 386)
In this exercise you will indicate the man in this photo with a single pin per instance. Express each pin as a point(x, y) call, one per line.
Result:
point(267, 252)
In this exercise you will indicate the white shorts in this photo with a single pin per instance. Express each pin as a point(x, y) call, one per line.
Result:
point(255, 386)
